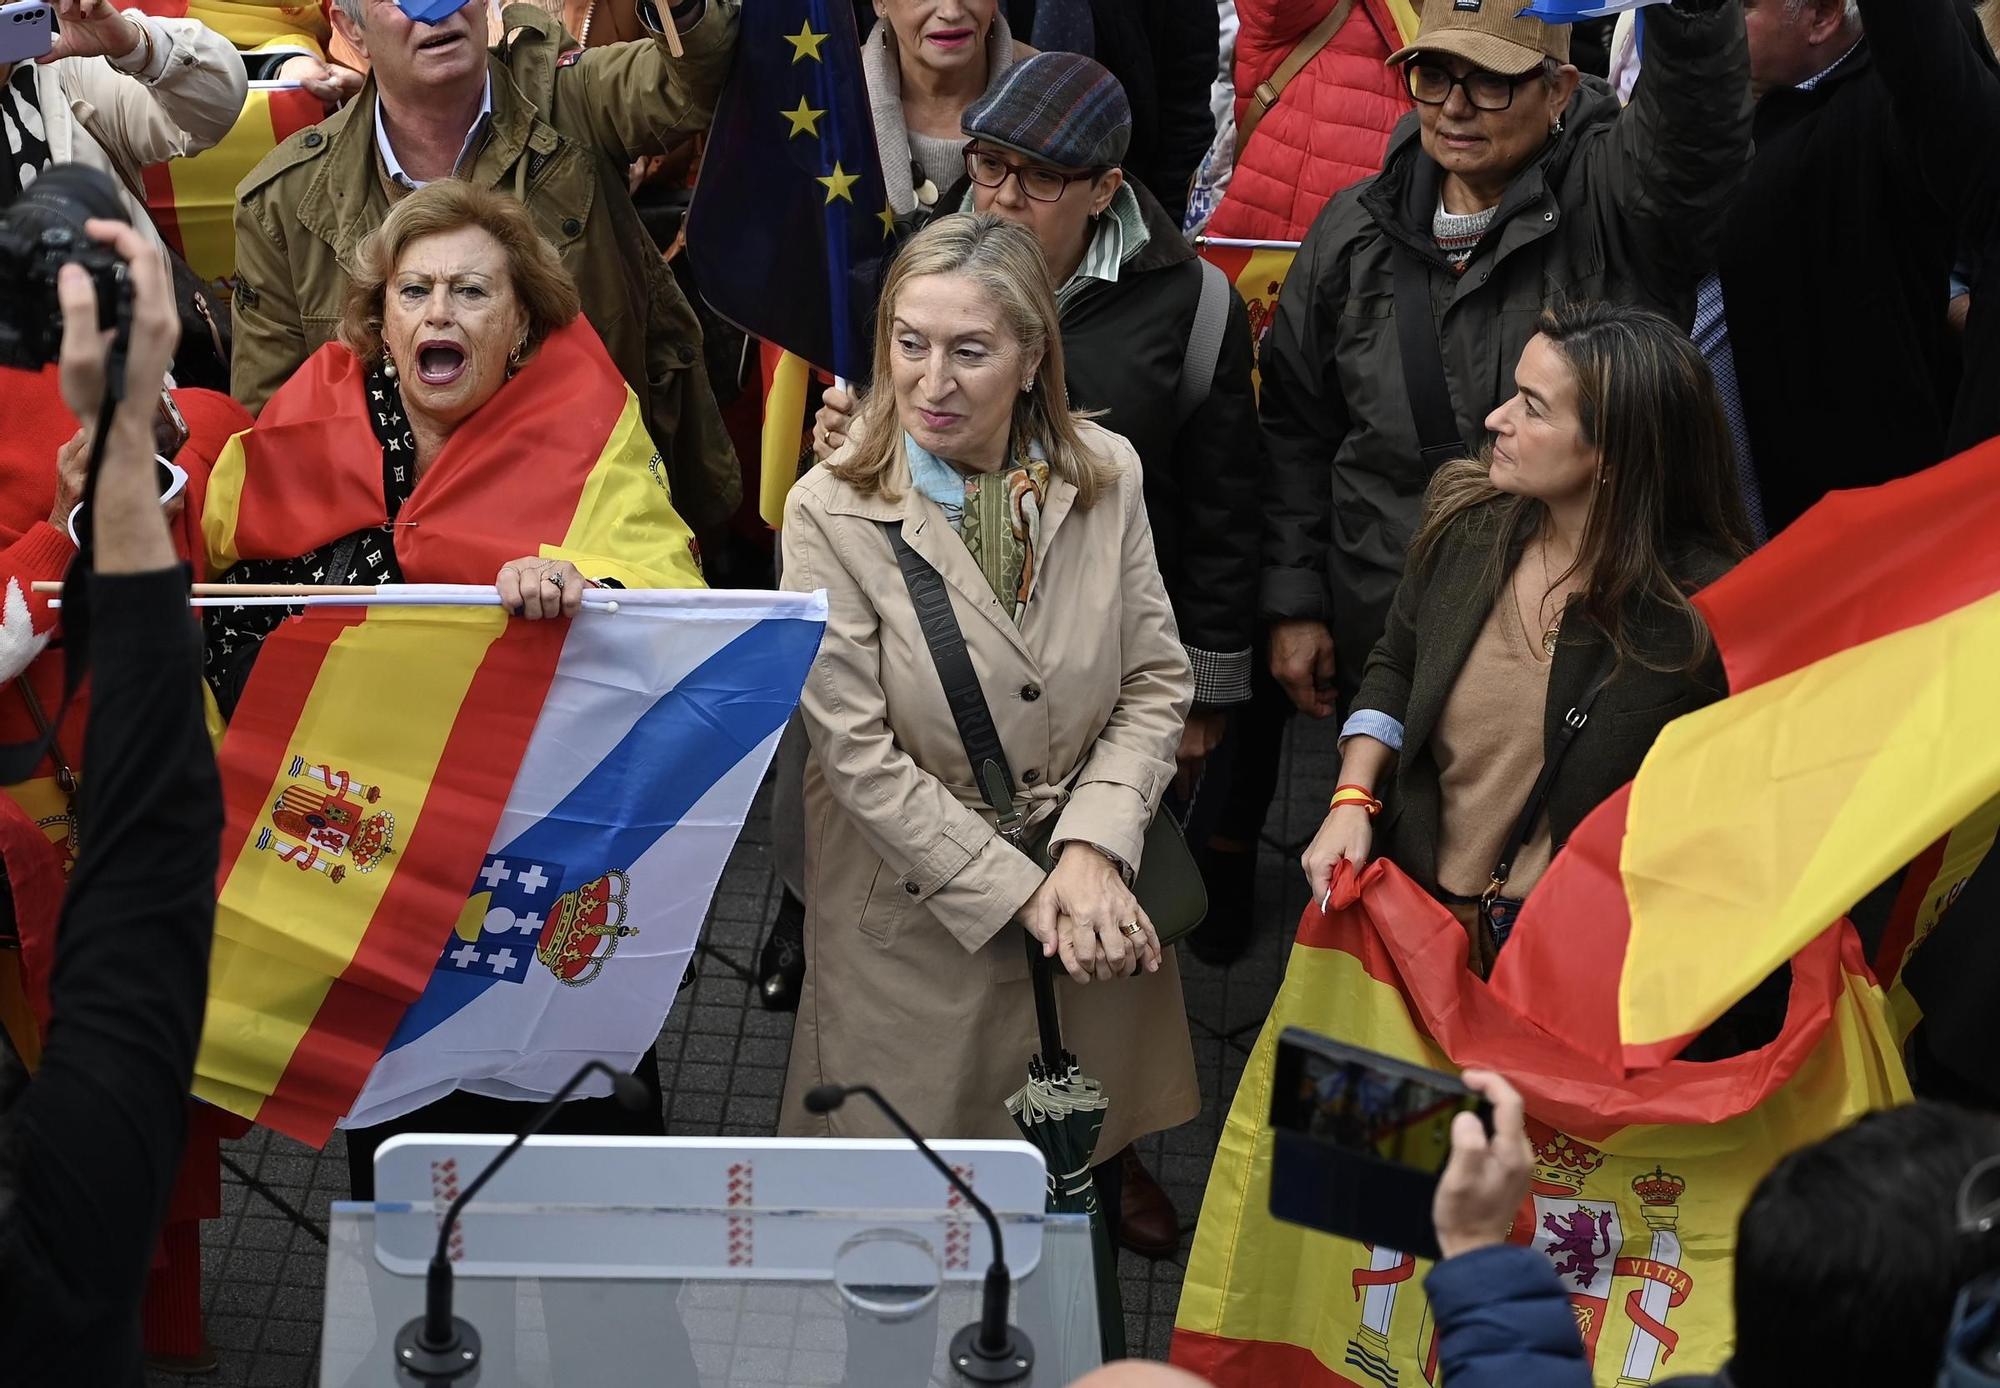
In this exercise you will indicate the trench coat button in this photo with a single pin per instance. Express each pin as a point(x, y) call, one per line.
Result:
point(910, 887)
point(571, 226)
point(1030, 777)
point(1030, 693)
point(684, 354)
point(313, 138)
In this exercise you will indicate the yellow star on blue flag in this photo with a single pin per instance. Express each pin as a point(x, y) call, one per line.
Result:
point(805, 120)
point(790, 231)
point(838, 182)
point(805, 43)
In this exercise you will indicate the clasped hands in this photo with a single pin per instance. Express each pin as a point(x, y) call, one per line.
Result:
point(1084, 913)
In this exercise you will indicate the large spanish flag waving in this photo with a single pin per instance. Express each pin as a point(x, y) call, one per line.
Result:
point(368, 761)
point(1637, 1185)
point(1863, 649)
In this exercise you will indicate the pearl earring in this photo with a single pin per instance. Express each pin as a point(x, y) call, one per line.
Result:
point(388, 365)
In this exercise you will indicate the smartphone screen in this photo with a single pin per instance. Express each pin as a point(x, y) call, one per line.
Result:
point(1367, 1103)
point(1360, 1140)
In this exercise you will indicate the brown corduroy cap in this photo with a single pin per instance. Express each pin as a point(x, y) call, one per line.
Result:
point(1489, 34)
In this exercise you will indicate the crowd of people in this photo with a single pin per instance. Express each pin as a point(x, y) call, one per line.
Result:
point(1580, 317)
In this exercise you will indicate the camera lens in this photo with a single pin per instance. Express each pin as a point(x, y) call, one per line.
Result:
point(61, 198)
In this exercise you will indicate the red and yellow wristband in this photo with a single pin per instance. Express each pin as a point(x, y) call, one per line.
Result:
point(1356, 795)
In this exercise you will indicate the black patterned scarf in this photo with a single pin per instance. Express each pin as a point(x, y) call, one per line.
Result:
point(233, 634)
point(22, 133)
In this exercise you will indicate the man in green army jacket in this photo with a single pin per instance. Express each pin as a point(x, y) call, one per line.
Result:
point(556, 125)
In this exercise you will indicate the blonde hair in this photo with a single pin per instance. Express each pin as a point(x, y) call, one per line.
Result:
point(1005, 263)
point(547, 293)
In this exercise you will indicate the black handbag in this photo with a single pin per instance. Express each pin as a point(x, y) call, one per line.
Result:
point(1167, 884)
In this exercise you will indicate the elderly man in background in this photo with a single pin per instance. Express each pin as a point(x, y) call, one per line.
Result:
point(1825, 320)
point(558, 129)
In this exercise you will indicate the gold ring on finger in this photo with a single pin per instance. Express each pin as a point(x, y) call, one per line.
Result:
point(1131, 929)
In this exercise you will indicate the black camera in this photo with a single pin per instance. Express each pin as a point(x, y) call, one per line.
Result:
point(40, 232)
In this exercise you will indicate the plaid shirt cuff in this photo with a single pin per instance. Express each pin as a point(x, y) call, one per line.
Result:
point(1221, 678)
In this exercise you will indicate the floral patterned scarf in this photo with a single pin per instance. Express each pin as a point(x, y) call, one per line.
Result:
point(997, 514)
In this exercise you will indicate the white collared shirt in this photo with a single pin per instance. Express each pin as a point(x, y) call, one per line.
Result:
point(395, 167)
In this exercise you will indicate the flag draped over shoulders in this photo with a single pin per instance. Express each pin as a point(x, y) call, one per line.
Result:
point(557, 464)
point(367, 763)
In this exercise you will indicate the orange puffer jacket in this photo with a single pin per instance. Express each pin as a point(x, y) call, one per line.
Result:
point(1330, 127)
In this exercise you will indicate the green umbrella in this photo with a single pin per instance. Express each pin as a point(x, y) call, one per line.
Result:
point(1061, 1110)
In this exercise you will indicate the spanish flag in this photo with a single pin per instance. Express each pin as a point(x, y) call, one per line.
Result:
point(258, 26)
point(1637, 1181)
point(1258, 270)
point(193, 201)
point(1862, 647)
point(369, 758)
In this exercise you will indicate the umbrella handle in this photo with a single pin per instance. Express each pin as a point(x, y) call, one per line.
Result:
point(1047, 1021)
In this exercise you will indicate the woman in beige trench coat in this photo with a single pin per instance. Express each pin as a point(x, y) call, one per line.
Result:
point(917, 975)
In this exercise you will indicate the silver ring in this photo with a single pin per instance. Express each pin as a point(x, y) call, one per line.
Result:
point(554, 576)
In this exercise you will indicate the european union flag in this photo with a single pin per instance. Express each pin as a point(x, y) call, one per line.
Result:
point(790, 224)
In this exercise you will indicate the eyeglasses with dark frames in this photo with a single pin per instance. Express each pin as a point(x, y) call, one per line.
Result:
point(1038, 181)
point(1431, 82)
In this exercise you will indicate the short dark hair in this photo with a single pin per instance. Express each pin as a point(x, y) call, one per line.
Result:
point(1848, 1257)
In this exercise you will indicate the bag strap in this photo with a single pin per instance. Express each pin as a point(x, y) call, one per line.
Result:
point(983, 750)
point(1423, 363)
point(1271, 88)
point(1204, 344)
point(1538, 796)
point(961, 682)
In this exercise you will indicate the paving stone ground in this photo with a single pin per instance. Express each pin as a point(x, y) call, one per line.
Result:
point(722, 1068)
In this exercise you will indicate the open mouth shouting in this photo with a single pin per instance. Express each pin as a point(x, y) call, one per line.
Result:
point(437, 43)
point(439, 363)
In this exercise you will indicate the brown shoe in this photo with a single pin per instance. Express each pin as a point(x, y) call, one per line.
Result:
point(1147, 1223)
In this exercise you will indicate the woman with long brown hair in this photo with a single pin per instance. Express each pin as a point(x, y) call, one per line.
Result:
point(1548, 587)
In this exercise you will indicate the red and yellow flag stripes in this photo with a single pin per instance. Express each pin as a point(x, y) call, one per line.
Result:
point(1258, 272)
point(557, 463)
point(1862, 647)
point(1637, 1184)
point(193, 201)
point(367, 762)
point(363, 774)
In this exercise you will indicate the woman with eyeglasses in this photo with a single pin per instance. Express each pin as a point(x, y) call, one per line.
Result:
point(1043, 151)
point(1516, 184)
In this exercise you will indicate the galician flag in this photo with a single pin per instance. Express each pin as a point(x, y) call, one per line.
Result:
point(578, 924)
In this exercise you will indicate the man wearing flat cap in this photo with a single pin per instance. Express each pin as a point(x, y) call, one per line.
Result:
point(1515, 182)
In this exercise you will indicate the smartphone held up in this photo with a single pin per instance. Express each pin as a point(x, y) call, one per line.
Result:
point(1360, 1140)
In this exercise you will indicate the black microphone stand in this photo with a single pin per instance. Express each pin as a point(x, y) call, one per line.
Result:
point(990, 1350)
point(439, 1347)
